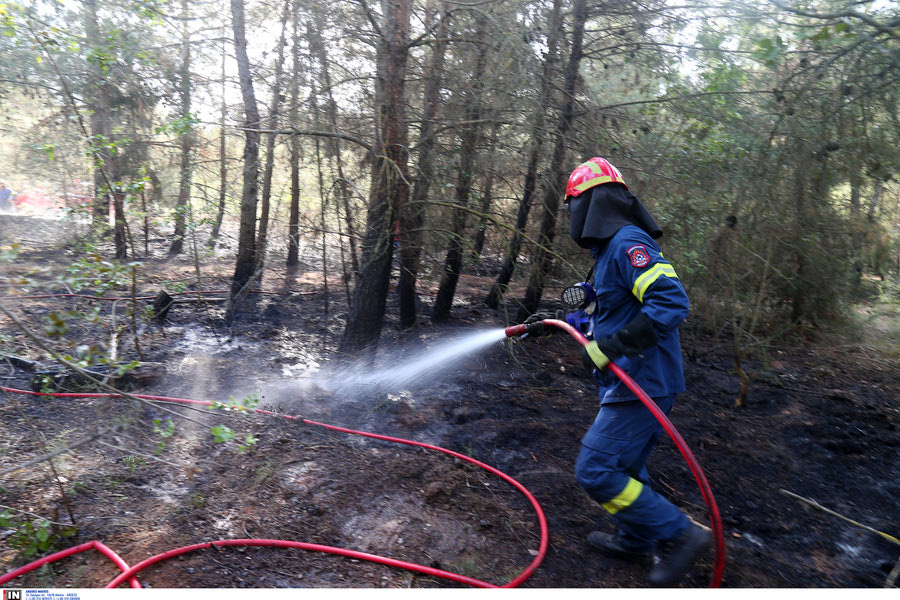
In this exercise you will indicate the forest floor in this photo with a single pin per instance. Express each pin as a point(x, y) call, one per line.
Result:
point(822, 422)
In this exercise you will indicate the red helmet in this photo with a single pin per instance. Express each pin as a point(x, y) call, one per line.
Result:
point(596, 171)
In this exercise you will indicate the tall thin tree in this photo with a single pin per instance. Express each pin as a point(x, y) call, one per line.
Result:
point(468, 151)
point(536, 148)
point(223, 157)
point(185, 132)
point(320, 51)
point(99, 93)
point(246, 253)
point(390, 188)
point(293, 251)
point(412, 216)
point(262, 238)
point(555, 184)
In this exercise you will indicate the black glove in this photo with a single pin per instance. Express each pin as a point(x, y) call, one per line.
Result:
point(537, 328)
point(631, 340)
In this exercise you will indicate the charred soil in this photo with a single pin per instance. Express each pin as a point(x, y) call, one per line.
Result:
point(819, 423)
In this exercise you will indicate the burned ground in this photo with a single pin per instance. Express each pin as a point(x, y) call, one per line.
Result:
point(820, 423)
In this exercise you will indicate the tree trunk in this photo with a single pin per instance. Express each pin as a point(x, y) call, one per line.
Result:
point(120, 235)
point(389, 184)
point(263, 234)
point(487, 200)
point(186, 131)
point(317, 47)
point(223, 163)
point(873, 203)
point(323, 193)
point(246, 254)
point(101, 127)
point(413, 217)
point(467, 154)
point(557, 185)
point(497, 291)
point(293, 251)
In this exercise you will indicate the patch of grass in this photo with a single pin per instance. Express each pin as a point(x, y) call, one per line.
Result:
point(469, 566)
point(879, 325)
point(263, 473)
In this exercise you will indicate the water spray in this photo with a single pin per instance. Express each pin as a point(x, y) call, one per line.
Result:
point(402, 374)
point(538, 327)
point(440, 357)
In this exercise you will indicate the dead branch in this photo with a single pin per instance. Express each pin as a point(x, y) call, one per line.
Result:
point(892, 578)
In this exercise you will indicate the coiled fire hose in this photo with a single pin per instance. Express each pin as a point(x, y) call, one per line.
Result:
point(705, 490)
point(129, 573)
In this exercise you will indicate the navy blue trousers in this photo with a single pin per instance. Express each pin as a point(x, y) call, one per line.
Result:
point(611, 468)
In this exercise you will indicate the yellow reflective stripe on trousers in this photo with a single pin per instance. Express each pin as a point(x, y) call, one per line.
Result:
point(625, 498)
point(648, 277)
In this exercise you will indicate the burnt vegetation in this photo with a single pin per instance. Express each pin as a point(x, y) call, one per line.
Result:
point(246, 204)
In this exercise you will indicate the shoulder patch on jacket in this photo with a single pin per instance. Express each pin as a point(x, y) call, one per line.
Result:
point(639, 256)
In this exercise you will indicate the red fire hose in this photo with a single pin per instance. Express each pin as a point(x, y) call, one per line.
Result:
point(705, 490)
point(92, 545)
point(129, 573)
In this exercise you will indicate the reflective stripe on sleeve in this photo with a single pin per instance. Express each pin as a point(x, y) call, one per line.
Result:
point(648, 277)
point(599, 359)
point(625, 498)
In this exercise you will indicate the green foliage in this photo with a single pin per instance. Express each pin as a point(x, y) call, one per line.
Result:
point(48, 148)
point(55, 325)
point(834, 33)
point(222, 434)
point(152, 10)
point(44, 384)
point(179, 125)
point(247, 403)
point(7, 19)
point(248, 443)
point(165, 430)
point(33, 537)
point(93, 271)
point(107, 144)
point(134, 463)
point(770, 51)
point(9, 253)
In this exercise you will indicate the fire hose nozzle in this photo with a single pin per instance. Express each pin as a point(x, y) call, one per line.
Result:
point(535, 328)
point(516, 330)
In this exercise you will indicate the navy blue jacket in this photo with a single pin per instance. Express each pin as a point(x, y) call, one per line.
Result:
point(631, 276)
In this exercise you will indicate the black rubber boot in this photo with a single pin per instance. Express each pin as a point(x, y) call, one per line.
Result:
point(614, 545)
point(676, 556)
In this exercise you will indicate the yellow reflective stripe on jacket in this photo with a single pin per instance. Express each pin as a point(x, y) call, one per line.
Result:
point(648, 277)
point(625, 498)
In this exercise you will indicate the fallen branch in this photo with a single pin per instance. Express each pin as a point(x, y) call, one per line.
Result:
point(93, 436)
point(892, 578)
point(90, 377)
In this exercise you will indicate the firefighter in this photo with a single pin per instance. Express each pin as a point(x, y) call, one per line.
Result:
point(7, 197)
point(640, 306)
